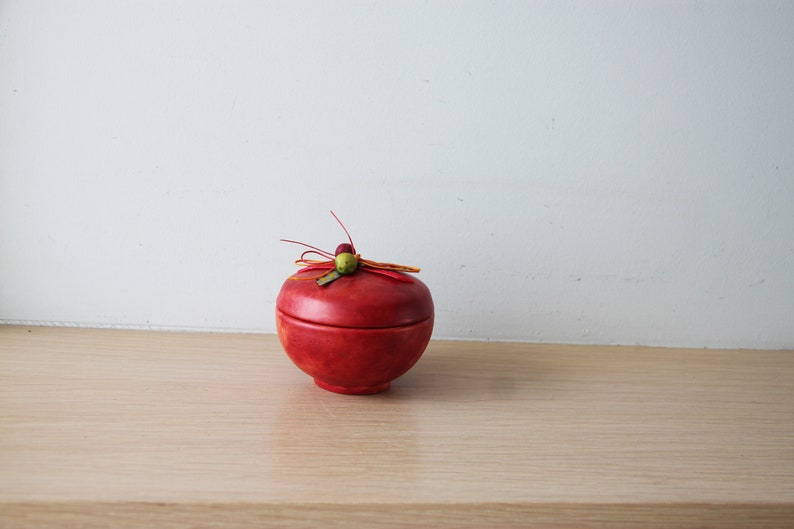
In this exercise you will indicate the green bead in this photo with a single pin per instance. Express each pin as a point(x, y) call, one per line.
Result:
point(346, 263)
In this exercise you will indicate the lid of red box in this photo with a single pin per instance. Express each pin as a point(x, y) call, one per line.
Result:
point(363, 299)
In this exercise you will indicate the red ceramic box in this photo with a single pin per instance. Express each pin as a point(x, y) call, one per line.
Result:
point(356, 334)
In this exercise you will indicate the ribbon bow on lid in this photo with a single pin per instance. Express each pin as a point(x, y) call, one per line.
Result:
point(344, 261)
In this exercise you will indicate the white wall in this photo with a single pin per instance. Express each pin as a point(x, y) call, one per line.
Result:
point(597, 172)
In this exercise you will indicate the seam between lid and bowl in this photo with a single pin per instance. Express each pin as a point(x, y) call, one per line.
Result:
point(374, 327)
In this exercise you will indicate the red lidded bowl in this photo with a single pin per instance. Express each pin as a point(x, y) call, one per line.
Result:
point(356, 334)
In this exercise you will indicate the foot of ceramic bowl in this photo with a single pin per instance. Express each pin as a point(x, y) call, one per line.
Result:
point(355, 390)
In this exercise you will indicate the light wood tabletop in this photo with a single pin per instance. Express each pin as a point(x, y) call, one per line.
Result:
point(110, 428)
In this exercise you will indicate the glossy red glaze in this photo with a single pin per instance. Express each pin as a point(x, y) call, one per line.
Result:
point(356, 334)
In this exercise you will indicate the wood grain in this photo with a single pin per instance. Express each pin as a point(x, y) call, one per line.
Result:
point(141, 429)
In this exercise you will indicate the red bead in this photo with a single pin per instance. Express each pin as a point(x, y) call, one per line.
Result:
point(343, 248)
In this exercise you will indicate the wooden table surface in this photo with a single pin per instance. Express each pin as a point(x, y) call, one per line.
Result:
point(108, 428)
